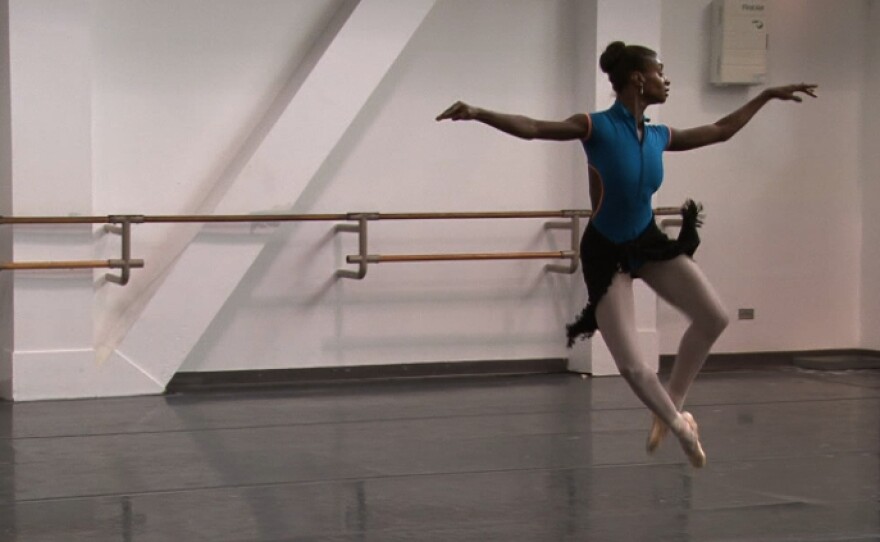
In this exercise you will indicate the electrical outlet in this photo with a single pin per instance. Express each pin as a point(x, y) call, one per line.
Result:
point(746, 314)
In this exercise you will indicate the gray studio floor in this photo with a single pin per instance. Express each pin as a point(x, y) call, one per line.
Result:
point(793, 455)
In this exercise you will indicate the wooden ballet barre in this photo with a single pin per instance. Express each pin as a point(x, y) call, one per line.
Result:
point(666, 211)
point(335, 217)
point(330, 217)
point(21, 220)
point(363, 259)
point(158, 219)
point(481, 215)
point(121, 225)
point(403, 258)
point(117, 224)
point(76, 264)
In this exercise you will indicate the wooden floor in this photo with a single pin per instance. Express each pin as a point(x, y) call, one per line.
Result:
point(793, 456)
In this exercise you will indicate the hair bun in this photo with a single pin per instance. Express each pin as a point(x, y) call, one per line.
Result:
point(612, 55)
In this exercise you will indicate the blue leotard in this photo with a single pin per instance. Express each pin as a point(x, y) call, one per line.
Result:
point(630, 171)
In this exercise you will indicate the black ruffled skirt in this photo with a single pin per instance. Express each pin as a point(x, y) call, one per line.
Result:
point(601, 259)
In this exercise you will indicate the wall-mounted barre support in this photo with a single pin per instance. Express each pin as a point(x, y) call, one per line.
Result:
point(361, 230)
point(574, 227)
point(125, 264)
point(121, 225)
point(76, 264)
point(363, 258)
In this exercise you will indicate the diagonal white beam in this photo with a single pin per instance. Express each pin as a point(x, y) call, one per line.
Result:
point(125, 306)
point(292, 152)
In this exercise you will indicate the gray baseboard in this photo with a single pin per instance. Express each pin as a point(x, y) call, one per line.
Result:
point(188, 382)
point(839, 362)
point(269, 378)
point(836, 359)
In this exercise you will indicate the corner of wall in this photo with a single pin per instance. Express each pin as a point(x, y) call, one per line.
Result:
point(6, 284)
point(870, 188)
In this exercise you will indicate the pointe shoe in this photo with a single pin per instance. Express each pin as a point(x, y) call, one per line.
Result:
point(691, 443)
point(657, 434)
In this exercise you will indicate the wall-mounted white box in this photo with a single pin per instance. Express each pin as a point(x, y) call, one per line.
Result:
point(739, 42)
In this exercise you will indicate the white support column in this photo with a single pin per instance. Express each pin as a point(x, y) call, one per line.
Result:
point(637, 22)
point(50, 66)
point(320, 113)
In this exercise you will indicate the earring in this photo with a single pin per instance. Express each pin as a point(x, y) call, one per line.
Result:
point(641, 89)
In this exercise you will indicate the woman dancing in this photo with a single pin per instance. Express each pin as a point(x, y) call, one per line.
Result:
point(622, 241)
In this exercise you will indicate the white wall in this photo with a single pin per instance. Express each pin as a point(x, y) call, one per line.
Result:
point(870, 198)
point(163, 104)
point(783, 229)
point(6, 278)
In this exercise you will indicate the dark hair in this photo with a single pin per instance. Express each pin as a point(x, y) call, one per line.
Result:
point(619, 60)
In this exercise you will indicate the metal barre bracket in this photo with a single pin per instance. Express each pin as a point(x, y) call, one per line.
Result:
point(123, 219)
point(364, 216)
point(361, 230)
point(121, 225)
point(573, 225)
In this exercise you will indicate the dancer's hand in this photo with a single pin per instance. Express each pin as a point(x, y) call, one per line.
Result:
point(789, 92)
point(459, 111)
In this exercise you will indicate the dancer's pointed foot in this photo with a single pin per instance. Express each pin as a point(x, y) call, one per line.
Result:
point(690, 442)
point(657, 434)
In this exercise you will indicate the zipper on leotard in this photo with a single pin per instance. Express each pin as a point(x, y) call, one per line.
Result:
point(641, 157)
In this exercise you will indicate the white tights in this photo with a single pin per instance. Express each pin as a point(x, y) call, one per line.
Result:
point(682, 284)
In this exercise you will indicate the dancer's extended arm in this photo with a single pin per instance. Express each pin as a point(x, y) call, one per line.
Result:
point(574, 127)
point(724, 129)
